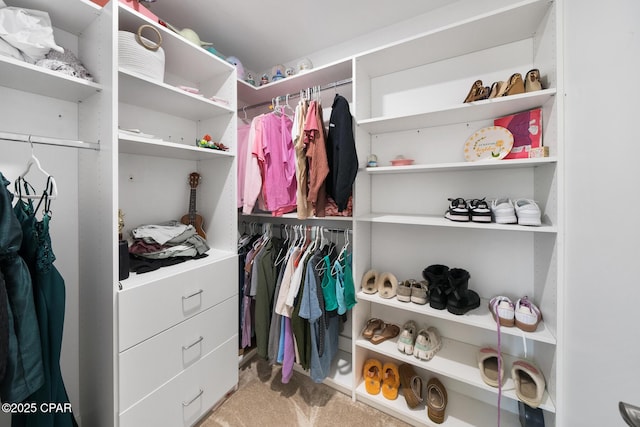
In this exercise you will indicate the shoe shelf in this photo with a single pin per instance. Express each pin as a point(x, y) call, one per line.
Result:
point(441, 221)
point(461, 411)
point(462, 166)
point(455, 360)
point(480, 317)
point(139, 90)
point(509, 24)
point(38, 80)
point(459, 113)
point(131, 144)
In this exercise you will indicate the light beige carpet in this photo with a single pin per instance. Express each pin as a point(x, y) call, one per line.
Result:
point(262, 400)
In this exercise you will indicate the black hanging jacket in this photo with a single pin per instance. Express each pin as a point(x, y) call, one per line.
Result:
point(341, 153)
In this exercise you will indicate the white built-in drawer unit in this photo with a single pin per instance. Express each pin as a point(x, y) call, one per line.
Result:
point(150, 364)
point(163, 298)
point(187, 397)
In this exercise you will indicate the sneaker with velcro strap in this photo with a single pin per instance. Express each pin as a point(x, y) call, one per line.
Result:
point(458, 210)
point(479, 210)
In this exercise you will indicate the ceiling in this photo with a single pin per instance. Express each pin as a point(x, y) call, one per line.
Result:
point(262, 34)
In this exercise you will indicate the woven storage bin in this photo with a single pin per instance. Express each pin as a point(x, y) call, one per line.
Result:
point(140, 55)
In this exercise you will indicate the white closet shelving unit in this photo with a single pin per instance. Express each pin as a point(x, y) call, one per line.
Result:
point(179, 358)
point(149, 353)
point(158, 348)
point(409, 101)
point(70, 121)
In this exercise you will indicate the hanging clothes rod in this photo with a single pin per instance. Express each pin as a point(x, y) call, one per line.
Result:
point(297, 95)
point(19, 137)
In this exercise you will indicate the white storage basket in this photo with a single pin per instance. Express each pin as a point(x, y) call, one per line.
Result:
point(140, 55)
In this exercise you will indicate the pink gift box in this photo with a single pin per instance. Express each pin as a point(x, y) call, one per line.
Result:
point(133, 4)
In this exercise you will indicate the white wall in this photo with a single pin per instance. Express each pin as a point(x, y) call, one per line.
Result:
point(602, 67)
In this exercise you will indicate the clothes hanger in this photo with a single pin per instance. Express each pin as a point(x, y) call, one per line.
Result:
point(245, 118)
point(286, 105)
point(282, 253)
point(341, 255)
point(52, 186)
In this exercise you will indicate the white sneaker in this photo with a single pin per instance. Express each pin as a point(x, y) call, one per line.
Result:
point(528, 212)
point(503, 211)
point(527, 315)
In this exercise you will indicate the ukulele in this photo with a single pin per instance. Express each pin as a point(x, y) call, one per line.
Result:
point(192, 218)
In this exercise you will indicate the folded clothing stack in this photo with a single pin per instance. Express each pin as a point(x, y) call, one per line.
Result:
point(168, 243)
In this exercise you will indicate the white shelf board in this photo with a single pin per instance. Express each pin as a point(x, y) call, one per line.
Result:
point(456, 360)
point(139, 90)
point(461, 411)
point(182, 58)
point(135, 280)
point(330, 73)
point(341, 375)
point(72, 16)
point(294, 215)
point(462, 166)
point(479, 317)
point(465, 112)
point(505, 25)
point(441, 221)
point(158, 148)
point(31, 78)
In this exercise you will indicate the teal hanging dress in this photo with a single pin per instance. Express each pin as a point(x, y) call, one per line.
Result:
point(23, 373)
point(49, 297)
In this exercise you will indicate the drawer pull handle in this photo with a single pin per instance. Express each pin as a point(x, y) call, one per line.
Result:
point(192, 344)
point(194, 399)
point(193, 294)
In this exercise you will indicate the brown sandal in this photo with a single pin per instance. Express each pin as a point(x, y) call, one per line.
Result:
point(515, 85)
point(411, 385)
point(532, 81)
point(389, 331)
point(373, 325)
point(497, 89)
point(475, 91)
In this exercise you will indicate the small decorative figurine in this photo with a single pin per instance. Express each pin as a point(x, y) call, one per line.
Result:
point(277, 77)
point(264, 80)
point(304, 65)
point(206, 142)
point(372, 161)
point(235, 61)
point(250, 79)
point(290, 71)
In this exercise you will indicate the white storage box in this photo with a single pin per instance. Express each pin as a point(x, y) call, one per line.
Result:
point(140, 55)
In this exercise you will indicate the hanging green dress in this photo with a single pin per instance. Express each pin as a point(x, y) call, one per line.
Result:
point(22, 358)
point(49, 297)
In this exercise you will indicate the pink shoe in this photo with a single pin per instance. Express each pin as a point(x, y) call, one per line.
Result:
point(503, 310)
point(529, 382)
point(527, 315)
